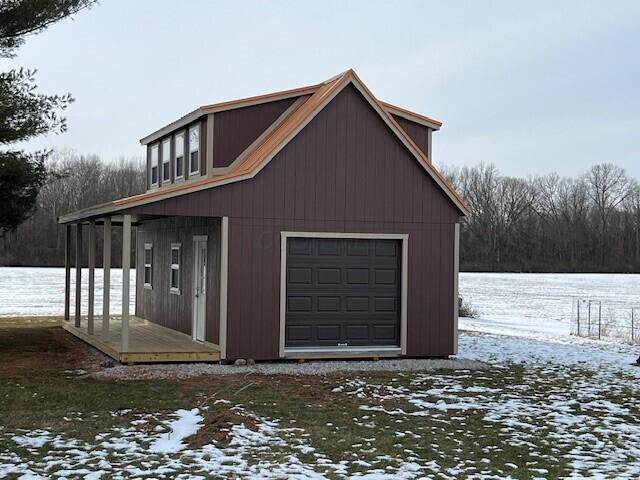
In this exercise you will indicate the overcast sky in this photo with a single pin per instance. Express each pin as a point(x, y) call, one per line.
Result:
point(532, 87)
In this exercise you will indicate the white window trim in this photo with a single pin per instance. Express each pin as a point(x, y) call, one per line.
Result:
point(148, 286)
point(195, 173)
point(156, 147)
point(166, 141)
point(175, 266)
point(177, 177)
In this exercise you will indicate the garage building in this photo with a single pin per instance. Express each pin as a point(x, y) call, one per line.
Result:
point(299, 224)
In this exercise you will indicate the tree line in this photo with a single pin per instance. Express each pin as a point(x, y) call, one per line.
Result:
point(549, 223)
point(544, 223)
point(74, 182)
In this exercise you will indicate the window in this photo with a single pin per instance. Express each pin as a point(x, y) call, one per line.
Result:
point(166, 161)
point(178, 161)
point(153, 166)
point(175, 268)
point(194, 150)
point(148, 265)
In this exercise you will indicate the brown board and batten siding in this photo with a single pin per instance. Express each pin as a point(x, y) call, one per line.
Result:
point(418, 133)
point(344, 172)
point(234, 130)
point(158, 304)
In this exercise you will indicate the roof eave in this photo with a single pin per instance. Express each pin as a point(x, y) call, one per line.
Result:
point(181, 122)
point(413, 116)
point(225, 106)
point(89, 213)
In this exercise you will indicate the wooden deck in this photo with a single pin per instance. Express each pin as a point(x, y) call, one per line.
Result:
point(148, 342)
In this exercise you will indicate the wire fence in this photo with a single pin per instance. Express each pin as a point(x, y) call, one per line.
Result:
point(594, 319)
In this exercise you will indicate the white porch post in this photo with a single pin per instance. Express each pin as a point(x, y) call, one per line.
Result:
point(91, 263)
point(456, 298)
point(106, 266)
point(78, 273)
point(126, 264)
point(67, 271)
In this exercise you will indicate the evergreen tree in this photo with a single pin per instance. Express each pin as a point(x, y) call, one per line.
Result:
point(24, 113)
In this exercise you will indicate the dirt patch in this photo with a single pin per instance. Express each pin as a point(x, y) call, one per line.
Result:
point(44, 348)
point(217, 427)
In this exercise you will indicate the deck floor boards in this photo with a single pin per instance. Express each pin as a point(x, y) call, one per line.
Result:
point(148, 342)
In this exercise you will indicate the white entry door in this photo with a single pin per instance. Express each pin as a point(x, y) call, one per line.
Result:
point(199, 287)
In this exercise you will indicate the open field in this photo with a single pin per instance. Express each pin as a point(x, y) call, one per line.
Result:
point(544, 410)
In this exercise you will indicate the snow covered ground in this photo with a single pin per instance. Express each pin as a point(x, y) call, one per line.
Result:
point(26, 291)
point(540, 304)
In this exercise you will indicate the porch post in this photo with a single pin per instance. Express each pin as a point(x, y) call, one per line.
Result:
point(126, 261)
point(91, 263)
point(106, 267)
point(456, 296)
point(67, 271)
point(78, 272)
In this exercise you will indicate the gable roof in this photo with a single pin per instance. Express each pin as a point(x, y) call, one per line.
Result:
point(259, 154)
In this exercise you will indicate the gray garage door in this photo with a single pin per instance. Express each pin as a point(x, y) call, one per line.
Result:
point(342, 292)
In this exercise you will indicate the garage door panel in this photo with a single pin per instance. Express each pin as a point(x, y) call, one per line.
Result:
point(300, 275)
point(357, 304)
point(331, 276)
point(358, 248)
point(357, 334)
point(386, 276)
point(329, 247)
point(328, 304)
point(299, 332)
point(328, 332)
point(299, 304)
point(300, 246)
point(342, 292)
point(385, 332)
point(386, 248)
point(358, 276)
point(385, 304)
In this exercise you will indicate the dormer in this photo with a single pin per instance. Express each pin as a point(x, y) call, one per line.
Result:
point(176, 153)
point(213, 138)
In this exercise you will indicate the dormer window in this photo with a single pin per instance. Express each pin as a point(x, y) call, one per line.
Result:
point(194, 150)
point(166, 161)
point(153, 166)
point(178, 160)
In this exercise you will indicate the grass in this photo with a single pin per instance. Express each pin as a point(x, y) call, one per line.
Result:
point(41, 389)
point(371, 420)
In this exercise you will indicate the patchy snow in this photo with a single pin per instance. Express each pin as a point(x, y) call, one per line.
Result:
point(557, 399)
point(185, 425)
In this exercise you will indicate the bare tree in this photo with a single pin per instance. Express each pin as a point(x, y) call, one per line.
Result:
point(608, 187)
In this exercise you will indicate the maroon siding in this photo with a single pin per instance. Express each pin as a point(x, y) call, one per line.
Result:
point(234, 130)
point(344, 172)
point(160, 306)
point(418, 133)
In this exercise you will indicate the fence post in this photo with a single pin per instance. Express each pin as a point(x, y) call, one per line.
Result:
point(599, 319)
point(578, 316)
point(589, 321)
point(633, 340)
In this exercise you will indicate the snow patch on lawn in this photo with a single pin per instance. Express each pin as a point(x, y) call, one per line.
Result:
point(185, 425)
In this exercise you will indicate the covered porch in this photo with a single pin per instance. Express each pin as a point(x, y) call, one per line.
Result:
point(126, 338)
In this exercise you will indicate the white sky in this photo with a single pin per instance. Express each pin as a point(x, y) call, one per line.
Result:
point(533, 87)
